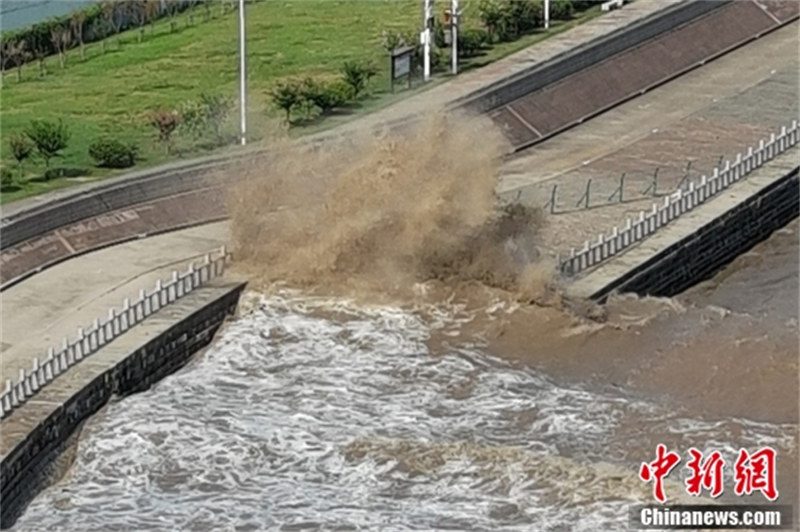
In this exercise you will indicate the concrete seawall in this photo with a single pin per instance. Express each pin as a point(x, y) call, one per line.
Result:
point(35, 435)
point(697, 244)
point(699, 256)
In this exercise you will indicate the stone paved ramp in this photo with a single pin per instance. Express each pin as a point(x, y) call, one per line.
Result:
point(557, 106)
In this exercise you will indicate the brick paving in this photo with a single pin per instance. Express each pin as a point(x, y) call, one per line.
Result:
point(556, 106)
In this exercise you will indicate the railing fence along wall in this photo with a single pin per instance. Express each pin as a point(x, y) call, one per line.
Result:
point(680, 202)
point(103, 332)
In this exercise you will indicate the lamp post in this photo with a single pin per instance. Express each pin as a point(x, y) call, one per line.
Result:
point(425, 38)
point(454, 16)
point(546, 14)
point(242, 75)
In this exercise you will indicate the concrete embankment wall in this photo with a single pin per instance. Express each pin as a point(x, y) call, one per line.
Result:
point(714, 245)
point(27, 468)
point(583, 57)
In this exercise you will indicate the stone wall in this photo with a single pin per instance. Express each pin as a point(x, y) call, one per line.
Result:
point(586, 56)
point(25, 470)
point(714, 245)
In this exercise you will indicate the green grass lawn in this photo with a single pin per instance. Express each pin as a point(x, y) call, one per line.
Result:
point(111, 93)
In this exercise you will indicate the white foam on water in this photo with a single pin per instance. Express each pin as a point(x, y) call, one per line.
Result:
point(298, 420)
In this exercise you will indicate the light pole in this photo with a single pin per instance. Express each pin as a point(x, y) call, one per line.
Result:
point(454, 16)
point(242, 74)
point(546, 14)
point(425, 37)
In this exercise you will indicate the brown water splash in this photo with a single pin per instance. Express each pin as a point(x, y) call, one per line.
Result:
point(384, 212)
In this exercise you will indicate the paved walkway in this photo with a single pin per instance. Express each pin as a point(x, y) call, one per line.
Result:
point(684, 226)
point(23, 419)
point(40, 311)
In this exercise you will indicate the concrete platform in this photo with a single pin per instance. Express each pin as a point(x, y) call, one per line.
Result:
point(39, 312)
point(22, 420)
point(597, 279)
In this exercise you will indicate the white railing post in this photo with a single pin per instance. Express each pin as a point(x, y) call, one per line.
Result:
point(25, 384)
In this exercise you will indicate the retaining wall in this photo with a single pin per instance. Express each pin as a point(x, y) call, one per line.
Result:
point(26, 468)
point(714, 245)
point(583, 57)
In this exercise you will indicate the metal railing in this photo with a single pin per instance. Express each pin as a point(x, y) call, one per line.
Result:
point(682, 201)
point(103, 332)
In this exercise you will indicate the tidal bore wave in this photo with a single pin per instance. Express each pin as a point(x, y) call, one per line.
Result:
point(318, 414)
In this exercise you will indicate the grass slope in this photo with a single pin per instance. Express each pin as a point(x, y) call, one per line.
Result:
point(111, 93)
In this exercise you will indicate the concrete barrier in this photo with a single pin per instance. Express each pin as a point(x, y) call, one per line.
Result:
point(714, 245)
point(91, 339)
point(582, 57)
point(25, 469)
point(682, 201)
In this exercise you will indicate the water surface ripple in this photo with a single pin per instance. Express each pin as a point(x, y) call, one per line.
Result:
point(320, 415)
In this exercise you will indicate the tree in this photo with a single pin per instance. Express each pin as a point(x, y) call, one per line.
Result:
point(172, 11)
point(40, 49)
point(285, 95)
point(117, 19)
point(492, 16)
point(208, 114)
point(9, 52)
point(61, 38)
point(166, 122)
point(21, 149)
point(49, 138)
point(137, 10)
point(76, 22)
point(21, 57)
point(107, 9)
point(357, 76)
point(151, 10)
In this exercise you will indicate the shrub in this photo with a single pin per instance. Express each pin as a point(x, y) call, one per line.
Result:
point(505, 20)
point(166, 122)
point(323, 94)
point(48, 137)
point(562, 9)
point(287, 96)
point(391, 40)
point(21, 149)
point(471, 41)
point(6, 177)
point(206, 115)
point(356, 76)
point(113, 153)
point(521, 16)
point(52, 173)
point(492, 15)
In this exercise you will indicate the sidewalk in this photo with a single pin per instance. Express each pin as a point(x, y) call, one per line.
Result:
point(436, 98)
point(39, 312)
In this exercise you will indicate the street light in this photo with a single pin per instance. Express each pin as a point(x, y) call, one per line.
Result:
point(546, 14)
point(242, 74)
